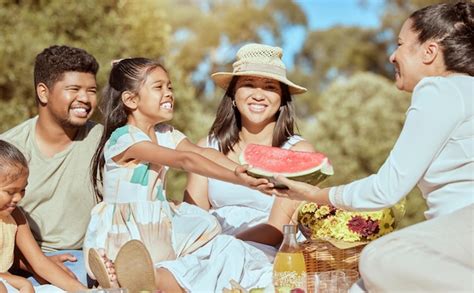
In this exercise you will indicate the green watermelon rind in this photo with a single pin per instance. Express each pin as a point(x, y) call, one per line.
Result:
point(312, 176)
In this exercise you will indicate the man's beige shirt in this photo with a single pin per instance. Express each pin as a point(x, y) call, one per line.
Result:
point(59, 195)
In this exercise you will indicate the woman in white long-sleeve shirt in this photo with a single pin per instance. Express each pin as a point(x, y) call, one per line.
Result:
point(435, 150)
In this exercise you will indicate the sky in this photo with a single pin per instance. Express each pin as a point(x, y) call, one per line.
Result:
point(323, 14)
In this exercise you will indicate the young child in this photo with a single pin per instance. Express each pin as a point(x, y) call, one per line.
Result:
point(135, 152)
point(14, 231)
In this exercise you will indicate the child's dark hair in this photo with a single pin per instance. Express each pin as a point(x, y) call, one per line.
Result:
point(126, 75)
point(11, 159)
point(54, 61)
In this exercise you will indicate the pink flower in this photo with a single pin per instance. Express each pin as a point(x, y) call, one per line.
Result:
point(362, 226)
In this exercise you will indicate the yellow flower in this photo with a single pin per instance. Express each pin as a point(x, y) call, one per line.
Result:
point(322, 211)
point(308, 208)
point(312, 207)
point(304, 209)
point(386, 224)
point(305, 219)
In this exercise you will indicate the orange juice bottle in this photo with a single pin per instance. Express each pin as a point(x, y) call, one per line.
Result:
point(289, 269)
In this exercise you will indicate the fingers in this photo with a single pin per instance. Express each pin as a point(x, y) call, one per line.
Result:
point(60, 258)
point(285, 181)
point(67, 257)
point(281, 192)
point(262, 181)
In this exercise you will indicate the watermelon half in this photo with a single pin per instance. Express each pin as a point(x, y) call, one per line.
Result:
point(267, 162)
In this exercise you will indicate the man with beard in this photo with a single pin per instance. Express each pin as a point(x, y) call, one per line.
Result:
point(59, 144)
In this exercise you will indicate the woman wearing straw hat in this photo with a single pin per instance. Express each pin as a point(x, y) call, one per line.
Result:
point(256, 108)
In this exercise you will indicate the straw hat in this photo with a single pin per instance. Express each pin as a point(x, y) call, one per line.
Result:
point(258, 60)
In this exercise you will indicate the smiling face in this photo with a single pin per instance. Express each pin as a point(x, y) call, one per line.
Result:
point(13, 181)
point(408, 58)
point(156, 101)
point(71, 100)
point(258, 100)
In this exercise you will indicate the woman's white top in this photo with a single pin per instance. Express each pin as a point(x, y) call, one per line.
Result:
point(435, 150)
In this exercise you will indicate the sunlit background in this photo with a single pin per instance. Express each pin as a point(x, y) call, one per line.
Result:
point(338, 49)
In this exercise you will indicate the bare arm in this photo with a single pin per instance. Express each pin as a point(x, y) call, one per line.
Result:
point(41, 265)
point(58, 259)
point(209, 153)
point(187, 161)
point(196, 188)
point(17, 282)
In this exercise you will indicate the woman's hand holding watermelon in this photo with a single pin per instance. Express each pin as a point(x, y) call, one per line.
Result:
point(301, 191)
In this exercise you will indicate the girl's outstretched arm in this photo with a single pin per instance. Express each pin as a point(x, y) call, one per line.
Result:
point(188, 161)
point(211, 154)
point(41, 265)
point(17, 282)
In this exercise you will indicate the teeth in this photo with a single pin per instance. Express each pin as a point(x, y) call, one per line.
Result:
point(257, 107)
point(166, 105)
point(80, 110)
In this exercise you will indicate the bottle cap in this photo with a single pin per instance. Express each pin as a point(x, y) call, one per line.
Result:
point(289, 229)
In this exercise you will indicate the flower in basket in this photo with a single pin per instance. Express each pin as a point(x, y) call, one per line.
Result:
point(344, 228)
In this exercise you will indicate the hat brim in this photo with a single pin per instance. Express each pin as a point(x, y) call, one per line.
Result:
point(222, 79)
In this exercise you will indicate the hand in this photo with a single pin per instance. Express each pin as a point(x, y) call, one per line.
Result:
point(296, 190)
point(260, 184)
point(59, 260)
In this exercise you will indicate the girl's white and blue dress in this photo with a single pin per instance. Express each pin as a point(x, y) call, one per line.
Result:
point(179, 238)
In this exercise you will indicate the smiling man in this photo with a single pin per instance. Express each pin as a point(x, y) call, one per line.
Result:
point(59, 144)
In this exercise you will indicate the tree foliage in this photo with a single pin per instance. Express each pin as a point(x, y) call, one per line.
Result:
point(355, 120)
point(107, 29)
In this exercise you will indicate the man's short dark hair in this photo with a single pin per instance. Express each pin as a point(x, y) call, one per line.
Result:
point(54, 61)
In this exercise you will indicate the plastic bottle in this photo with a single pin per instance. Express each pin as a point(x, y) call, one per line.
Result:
point(289, 269)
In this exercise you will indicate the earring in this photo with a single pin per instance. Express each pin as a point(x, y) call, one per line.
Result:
point(234, 104)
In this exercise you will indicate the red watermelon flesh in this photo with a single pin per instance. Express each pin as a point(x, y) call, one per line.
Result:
point(266, 161)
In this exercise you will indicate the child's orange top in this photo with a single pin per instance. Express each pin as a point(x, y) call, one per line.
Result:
point(8, 228)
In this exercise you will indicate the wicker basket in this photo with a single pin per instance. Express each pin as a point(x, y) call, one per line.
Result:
point(322, 256)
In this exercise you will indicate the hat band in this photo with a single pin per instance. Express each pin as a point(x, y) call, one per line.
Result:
point(264, 68)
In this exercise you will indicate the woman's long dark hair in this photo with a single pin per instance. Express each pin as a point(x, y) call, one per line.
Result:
point(126, 75)
point(452, 25)
point(227, 125)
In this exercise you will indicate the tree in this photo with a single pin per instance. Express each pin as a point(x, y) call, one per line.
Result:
point(107, 29)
